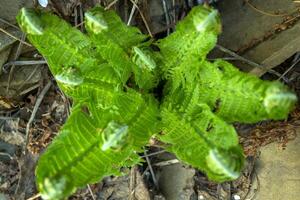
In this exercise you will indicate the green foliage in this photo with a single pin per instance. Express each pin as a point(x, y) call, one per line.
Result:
point(111, 74)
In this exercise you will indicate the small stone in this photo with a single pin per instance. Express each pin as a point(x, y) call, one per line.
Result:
point(236, 197)
point(4, 186)
point(43, 3)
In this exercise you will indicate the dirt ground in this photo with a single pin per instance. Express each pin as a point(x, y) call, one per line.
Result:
point(32, 104)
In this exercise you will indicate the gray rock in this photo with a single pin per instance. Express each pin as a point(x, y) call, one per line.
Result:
point(279, 171)
point(176, 181)
point(258, 36)
point(10, 8)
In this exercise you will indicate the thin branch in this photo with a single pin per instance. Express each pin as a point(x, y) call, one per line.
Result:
point(8, 23)
point(80, 24)
point(111, 4)
point(174, 11)
point(290, 68)
point(246, 60)
point(81, 15)
point(65, 100)
point(224, 58)
point(29, 89)
point(25, 62)
point(143, 18)
point(264, 12)
point(34, 197)
point(35, 109)
point(6, 154)
point(168, 162)
point(91, 192)
point(131, 14)
point(18, 52)
point(167, 17)
point(28, 78)
point(14, 37)
point(151, 169)
point(255, 191)
point(153, 154)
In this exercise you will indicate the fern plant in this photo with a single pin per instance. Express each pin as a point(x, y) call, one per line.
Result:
point(112, 73)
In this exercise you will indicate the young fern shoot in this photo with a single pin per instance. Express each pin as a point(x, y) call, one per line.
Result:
point(112, 72)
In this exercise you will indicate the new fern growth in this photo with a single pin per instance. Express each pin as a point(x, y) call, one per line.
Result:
point(111, 73)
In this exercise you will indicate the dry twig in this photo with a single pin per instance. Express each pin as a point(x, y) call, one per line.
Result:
point(153, 154)
point(36, 106)
point(29, 89)
point(91, 192)
point(151, 169)
point(295, 62)
point(34, 197)
point(131, 14)
point(18, 52)
point(132, 183)
point(28, 78)
point(8, 23)
point(111, 4)
point(167, 162)
point(25, 62)
point(167, 17)
point(267, 13)
point(14, 37)
point(142, 15)
point(246, 60)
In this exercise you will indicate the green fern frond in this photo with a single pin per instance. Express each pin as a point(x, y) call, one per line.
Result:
point(108, 23)
point(197, 139)
point(194, 37)
point(110, 51)
point(89, 147)
point(75, 157)
point(75, 49)
point(239, 97)
point(183, 112)
point(146, 69)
